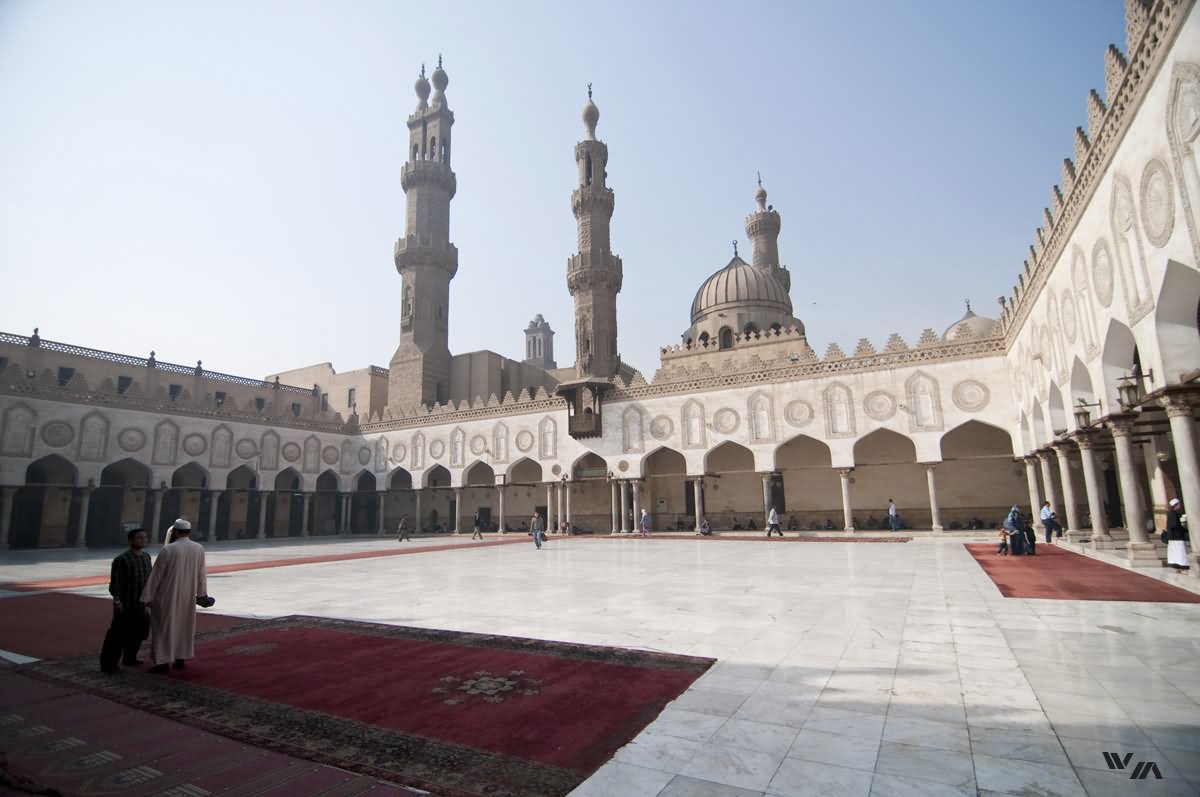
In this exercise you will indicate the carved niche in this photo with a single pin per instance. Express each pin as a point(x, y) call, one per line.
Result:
point(381, 454)
point(839, 411)
point(1157, 203)
point(500, 443)
point(547, 439)
point(93, 438)
point(1130, 253)
point(17, 437)
point(418, 451)
point(457, 443)
point(924, 403)
point(761, 412)
point(268, 451)
point(633, 438)
point(692, 424)
point(1183, 134)
point(346, 458)
point(166, 443)
point(312, 454)
point(222, 447)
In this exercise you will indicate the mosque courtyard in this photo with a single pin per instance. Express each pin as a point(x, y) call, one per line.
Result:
point(841, 668)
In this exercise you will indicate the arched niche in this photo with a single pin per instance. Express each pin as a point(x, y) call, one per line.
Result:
point(729, 457)
point(525, 471)
point(1177, 321)
point(190, 475)
point(976, 439)
point(241, 478)
point(803, 451)
point(127, 473)
point(664, 461)
point(883, 447)
point(400, 479)
point(51, 469)
point(437, 476)
point(289, 480)
point(480, 474)
point(1117, 360)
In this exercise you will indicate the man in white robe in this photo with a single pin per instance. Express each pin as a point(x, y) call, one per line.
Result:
point(177, 582)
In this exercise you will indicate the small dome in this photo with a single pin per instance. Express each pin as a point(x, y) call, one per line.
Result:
point(978, 326)
point(422, 88)
point(591, 115)
point(440, 78)
point(538, 320)
point(741, 283)
point(760, 197)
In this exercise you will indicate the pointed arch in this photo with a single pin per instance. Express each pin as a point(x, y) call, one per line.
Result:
point(364, 481)
point(437, 476)
point(479, 474)
point(328, 481)
point(1116, 360)
point(975, 438)
point(803, 451)
point(1057, 412)
point(1026, 434)
point(524, 471)
point(1177, 321)
point(127, 472)
point(664, 461)
point(729, 457)
point(242, 477)
point(1040, 435)
point(51, 469)
point(191, 474)
point(884, 447)
point(399, 479)
point(589, 465)
point(289, 480)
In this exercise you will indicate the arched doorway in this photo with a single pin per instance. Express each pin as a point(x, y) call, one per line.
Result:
point(364, 505)
point(813, 487)
point(399, 501)
point(978, 480)
point(238, 507)
point(287, 507)
point(327, 509)
point(669, 495)
point(885, 466)
point(118, 501)
point(440, 504)
point(590, 495)
point(479, 486)
point(186, 498)
point(733, 497)
point(45, 511)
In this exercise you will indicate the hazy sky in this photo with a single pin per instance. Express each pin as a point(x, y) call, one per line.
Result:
point(221, 180)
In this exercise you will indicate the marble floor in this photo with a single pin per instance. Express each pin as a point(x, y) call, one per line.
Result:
point(843, 670)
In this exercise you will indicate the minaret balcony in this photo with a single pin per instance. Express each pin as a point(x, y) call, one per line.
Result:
point(424, 250)
point(428, 172)
point(586, 200)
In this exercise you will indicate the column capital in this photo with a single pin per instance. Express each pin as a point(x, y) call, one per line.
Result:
point(1063, 446)
point(1179, 403)
point(845, 471)
point(929, 465)
point(1121, 424)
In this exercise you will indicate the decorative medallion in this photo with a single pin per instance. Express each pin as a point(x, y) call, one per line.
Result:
point(524, 440)
point(623, 465)
point(245, 448)
point(437, 448)
point(330, 455)
point(1158, 203)
point(556, 470)
point(1070, 321)
point(1102, 273)
point(478, 444)
point(194, 445)
point(661, 427)
point(485, 687)
point(364, 456)
point(57, 434)
point(290, 452)
point(798, 413)
point(398, 452)
point(880, 405)
point(726, 420)
point(131, 440)
point(970, 395)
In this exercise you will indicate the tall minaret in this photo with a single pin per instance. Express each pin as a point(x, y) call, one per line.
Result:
point(762, 228)
point(594, 274)
point(425, 258)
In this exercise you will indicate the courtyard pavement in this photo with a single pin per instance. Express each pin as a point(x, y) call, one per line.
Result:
point(844, 669)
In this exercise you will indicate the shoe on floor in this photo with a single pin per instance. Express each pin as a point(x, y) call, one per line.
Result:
point(159, 668)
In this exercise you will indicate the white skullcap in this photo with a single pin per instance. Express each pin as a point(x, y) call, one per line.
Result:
point(1174, 502)
point(181, 524)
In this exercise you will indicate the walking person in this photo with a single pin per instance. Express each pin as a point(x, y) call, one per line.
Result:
point(177, 584)
point(644, 524)
point(402, 532)
point(773, 523)
point(477, 534)
point(130, 624)
point(1050, 521)
point(535, 525)
point(893, 516)
point(1177, 535)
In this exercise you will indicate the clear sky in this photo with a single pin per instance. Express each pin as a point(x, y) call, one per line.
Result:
point(221, 180)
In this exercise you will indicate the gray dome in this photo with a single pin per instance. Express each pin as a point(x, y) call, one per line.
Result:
point(740, 283)
point(977, 326)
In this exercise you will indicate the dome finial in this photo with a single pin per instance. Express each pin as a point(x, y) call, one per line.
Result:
point(422, 89)
point(760, 196)
point(591, 115)
point(759, 175)
point(440, 81)
point(735, 247)
point(589, 91)
point(439, 60)
point(968, 301)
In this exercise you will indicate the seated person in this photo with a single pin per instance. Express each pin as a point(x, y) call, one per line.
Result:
point(750, 524)
point(737, 526)
point(829, 524)
point(705, 529)
point(872, 523)
point(792, 524)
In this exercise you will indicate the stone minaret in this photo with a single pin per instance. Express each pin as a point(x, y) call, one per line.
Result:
point(425, 258)
point(762, 228)
point(539, 344)
point(594, 274)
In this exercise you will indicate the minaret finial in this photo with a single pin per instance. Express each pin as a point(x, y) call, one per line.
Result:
point(422, 69)
point(968, 301)
point(759, 175)
point(439, 60)
point(589, 91)
point(735, 247)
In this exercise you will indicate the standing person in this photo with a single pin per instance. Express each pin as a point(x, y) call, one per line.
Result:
point(402, 533)
point(535, 525)
point(130, 625)
point(477, 534)
point(1177, 534)
point(1014, 527)
point(176, 584)
point(1002, 550)
point(773, 523)
point(644, 524)
point(893, 516)
point(1050, 521)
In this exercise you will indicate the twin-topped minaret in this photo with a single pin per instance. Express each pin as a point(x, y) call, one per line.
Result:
point(425, 258)
point(762, 228)
point(594, 273)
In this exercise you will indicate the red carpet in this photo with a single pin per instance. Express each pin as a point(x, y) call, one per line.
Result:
point(1065, 575)
point(76, 744)
point(59, 624)
point(454, 713)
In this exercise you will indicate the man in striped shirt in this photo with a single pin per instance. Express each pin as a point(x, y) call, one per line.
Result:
point(130, 624)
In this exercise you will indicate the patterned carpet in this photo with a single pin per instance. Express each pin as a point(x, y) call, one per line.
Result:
point(457, 714)
point(1065, 575)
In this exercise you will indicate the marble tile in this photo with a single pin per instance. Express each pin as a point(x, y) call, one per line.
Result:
point(733, 766)
point(927, 763)
point(845, 723)
point(615, 779)
point(652, 751)
point(852, 752)
point(942, 735)
point(685, 725)
point(798, 778)
point(897, 786)
point(709, 701)
point(683, 786)
point(1023, 745)
point(1015, 776)
point(760, 736)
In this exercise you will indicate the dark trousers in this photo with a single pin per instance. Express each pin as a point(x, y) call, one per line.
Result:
point(128, 630)
point(1030, 541)
point(773, 528)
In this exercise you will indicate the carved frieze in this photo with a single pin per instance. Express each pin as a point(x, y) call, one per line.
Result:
point(57, 434)
point(798, 413)
point(970, 395)
point(879, 405)
point(194, 445)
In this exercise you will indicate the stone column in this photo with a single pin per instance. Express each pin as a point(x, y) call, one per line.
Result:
point(6, 501)
point(1045, 457)
point(1091, 483)
point(1183, 434)
point(263, 498)
point(934, 513)
point(698, 495)
point(1141, 550)
point(156, 523)
point(635, 487)
point(500, 493)
point(457, 508)
point(766, 481)
point(549, 507)
point(559, 489)
point(567, 500)
point(1074, 527)
point(1035, 495)
point(616, 510)
point(304, 517)
point(214, 504)
point(84, 505)
point(417, 520)
point(847, 511)
point(382, 506)
point(624, 506)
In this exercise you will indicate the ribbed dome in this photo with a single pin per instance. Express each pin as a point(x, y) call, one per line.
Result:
point(979, 326)
point(741, 283)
